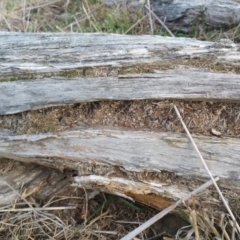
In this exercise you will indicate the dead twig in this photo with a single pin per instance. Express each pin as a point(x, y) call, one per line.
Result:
point(166, 211)
point(161, 22)
point(37, 209)
point(150, 17)
point(135, 24)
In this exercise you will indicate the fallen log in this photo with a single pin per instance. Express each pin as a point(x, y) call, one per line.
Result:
point(190, 15)
point(132, 150)
point(116, 152)
point(48, 70)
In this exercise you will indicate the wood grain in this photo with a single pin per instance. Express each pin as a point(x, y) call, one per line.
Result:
point(181, 84)
point(132, 150)
point(31, 180)
point(53, 53)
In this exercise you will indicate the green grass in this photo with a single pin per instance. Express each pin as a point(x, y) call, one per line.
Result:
point(77, 16)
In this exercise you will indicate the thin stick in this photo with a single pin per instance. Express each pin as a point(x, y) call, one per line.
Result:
point(150, 17)
point(135, 24)
point(37, 209)
point(15, 191)
point(207, 169)
point(106, 232)
point(86, 207)
point(89, 18)
point(161, 22)
point(165, 211)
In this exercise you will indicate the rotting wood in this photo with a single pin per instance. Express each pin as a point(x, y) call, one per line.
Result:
point(58, 54)
point(117, 151)
point(31, 180)
point(154, 219)
point(180, 84)
point(153, 168)
point(189, 15)
point(135, 151)
point(158, 195)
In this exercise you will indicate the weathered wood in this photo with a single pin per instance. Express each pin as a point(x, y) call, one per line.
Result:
point(44, 54)
point(31, 180)
point(155, 195)
point(182, 84)
point(186, 15)
point(134, 164)
point(133, 150)
point(119, 153)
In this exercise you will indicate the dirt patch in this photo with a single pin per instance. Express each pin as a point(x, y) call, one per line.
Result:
point(200, 117)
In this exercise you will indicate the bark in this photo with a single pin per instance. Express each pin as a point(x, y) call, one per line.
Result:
point(189, 15)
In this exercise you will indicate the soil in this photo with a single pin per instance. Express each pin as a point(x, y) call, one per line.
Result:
point(206, 118)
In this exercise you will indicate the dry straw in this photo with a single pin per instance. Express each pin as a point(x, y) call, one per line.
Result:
point(151, 221)
point(159, 20)
point(208, 171)
point(160, 215)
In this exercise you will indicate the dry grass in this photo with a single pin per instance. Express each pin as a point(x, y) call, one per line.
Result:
point(107, 217)
point(64, 217)
point(92, 16)
point(205, 224)
point(68, 16)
